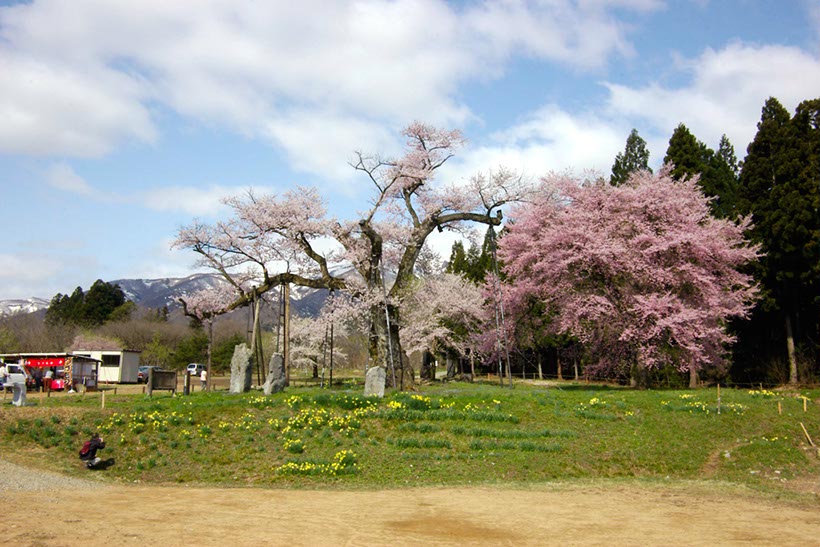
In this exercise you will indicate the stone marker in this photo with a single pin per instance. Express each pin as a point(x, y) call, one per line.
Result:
point(275, 381)
point(19, 394)
point(241, 370)
point(374, 382)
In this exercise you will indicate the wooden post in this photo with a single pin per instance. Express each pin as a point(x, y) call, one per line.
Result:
point(102, 405)
point(331, 356)
point(210, 352)
point(286, 333)
point(808, 437)
point(804, 404)
point(779, 408)
point(718, 394)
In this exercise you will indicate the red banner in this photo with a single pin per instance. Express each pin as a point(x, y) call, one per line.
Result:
point(45, 362)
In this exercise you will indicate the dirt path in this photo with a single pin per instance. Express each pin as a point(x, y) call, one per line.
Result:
point(564, 514)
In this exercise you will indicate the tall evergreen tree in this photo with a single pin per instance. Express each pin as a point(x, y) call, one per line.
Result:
point(779, 188)
point(86, 309)
point(634, 157)
point(717, 171)
point(100, 302)
point(476, 262)
point(726, 152)
point(686, 153)
point(720, 180)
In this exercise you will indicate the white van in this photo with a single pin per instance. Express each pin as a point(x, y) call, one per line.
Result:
point(195, 369)
point(14, 373)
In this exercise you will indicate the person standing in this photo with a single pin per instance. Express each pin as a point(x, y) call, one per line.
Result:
point(47, 379)
point(203, 379)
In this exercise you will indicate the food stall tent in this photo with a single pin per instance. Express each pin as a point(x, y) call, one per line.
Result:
point(71, 371)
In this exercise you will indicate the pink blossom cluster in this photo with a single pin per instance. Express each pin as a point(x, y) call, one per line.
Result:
point(640, 273)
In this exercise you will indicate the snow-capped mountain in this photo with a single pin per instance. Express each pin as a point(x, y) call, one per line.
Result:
point(21, 306)
point(156, 293)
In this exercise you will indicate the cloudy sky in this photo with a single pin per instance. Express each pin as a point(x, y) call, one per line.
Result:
point(121, 121)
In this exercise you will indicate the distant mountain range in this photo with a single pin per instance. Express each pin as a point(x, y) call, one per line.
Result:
point(157, 293)
point(20, 306)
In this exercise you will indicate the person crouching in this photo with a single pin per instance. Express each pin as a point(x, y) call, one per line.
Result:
point(88, 453)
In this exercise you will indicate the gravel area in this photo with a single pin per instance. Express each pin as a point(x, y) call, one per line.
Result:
point(17, 478)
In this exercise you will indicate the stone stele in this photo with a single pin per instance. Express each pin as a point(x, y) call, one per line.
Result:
point(241, 369)
point(275, 381)
point(374, 382)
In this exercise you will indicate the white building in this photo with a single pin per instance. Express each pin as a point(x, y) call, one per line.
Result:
point(117, 366)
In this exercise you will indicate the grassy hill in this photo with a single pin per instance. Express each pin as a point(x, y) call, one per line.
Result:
point(445, 434)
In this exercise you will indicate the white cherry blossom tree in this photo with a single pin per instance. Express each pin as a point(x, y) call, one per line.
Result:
point(274, 238)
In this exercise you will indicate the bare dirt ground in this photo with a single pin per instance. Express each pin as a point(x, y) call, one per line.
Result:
point(592, 514)
point(597, 513)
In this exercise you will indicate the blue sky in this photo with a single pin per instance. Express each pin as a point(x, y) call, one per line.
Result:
point(122, 121)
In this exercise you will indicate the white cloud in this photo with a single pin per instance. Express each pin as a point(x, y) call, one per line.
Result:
point(271, 70)
point(159, 261)
point(549, 139)
point(196, 201)
point(44, 273)
point(48, 108)
point(62, 177)
point(581, 34)
point(726, 93)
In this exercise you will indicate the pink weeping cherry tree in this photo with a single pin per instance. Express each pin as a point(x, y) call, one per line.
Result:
point(641, 274)
point(276, 237)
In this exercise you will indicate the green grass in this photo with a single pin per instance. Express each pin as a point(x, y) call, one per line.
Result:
point(445, 434)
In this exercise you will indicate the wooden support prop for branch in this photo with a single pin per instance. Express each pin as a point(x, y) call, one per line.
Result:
point(102, 400)
point(808, 437)
point(718, 394)
point(804, 404)
point(779, 408)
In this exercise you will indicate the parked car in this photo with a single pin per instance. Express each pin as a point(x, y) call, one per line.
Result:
point(142, 373)
point(195, 369)
point(16, 373)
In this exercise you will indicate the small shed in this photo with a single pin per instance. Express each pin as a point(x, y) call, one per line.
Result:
point(117, 364)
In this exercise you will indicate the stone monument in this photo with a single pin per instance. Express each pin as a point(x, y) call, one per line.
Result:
point(241, 369)
point(18, 390)
point(374, 382)
point(275, 381)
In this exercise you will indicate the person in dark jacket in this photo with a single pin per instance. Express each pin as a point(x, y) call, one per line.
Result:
point(89, 451)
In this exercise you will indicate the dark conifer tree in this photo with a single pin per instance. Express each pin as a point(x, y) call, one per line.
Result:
point(779, 187)
point(634, 157)
point(686, 153)
point(717, 171)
